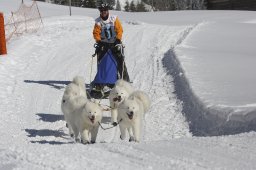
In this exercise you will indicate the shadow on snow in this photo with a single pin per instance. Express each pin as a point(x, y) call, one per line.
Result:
point(50, 117)
point(58, 84)
point(55, 133)
point(45, 132)
point(52, 83)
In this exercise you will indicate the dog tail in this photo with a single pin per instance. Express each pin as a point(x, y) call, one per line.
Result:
point(128, 86)
point(143, 98)
point(80, 82)
point(72, 90)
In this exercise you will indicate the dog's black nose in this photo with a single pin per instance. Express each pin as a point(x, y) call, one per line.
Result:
point(131, 113)
point(93, 117)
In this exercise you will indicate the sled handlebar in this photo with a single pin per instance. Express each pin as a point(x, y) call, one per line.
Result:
point(97, 47)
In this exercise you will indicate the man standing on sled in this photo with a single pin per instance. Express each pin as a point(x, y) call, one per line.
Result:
point(107, 33)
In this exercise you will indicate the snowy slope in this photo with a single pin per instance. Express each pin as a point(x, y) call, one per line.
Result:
point(37, 68)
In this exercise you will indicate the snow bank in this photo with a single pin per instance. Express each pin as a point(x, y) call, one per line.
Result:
point(207, 120)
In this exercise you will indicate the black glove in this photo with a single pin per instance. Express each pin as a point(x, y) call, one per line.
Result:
point(114, 123)
point(98, 44)
point(118, 42)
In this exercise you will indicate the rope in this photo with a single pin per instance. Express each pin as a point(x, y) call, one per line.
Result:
point(123, 71)
point(109, 127)
point(91, 68)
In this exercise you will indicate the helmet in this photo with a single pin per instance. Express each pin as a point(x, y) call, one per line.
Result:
point(103, 6)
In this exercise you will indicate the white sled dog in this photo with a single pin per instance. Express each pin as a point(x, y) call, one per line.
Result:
point(130, 114)
point(74, 89)
point(80, 82)
point(85, 119)
point(121, 91)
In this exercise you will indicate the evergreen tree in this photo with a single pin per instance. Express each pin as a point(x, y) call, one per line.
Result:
point(111, 3)
point(89, 4)
point(141, 7)
point(127, 6)
point(147, 1)
point(118, 5)
point(132, 7)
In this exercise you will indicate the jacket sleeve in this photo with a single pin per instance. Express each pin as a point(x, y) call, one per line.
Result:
point(118, 29)
point(97, 32)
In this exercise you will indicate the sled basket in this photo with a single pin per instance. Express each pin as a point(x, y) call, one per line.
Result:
point(107, 70)
point(106, 75)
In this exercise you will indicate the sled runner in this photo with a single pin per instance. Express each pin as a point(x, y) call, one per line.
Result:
point(110, 68)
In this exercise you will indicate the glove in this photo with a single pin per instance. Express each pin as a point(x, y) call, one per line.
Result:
point(114, 123)
point(118, 42)
point(98, 44)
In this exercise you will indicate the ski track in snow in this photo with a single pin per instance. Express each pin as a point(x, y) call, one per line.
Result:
point(38, 120)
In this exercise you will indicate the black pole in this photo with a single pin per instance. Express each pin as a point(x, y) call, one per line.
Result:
point(22, 1)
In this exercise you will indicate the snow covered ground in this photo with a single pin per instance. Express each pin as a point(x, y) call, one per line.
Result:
point(197, 67)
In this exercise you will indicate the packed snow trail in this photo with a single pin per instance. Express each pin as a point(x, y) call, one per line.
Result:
point(47, 65)
point(38, 67)
point(35, 79)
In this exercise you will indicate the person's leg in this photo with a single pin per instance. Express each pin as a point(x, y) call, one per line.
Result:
point(121, 66)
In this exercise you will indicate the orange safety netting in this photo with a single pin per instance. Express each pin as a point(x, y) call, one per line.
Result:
point(25, 19)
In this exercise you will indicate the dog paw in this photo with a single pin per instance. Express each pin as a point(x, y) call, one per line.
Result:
point(77, 140)
point(114, 123)
point(131, 139)
point(121, 137)
point(85, 142)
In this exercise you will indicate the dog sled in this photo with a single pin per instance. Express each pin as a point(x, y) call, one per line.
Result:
point(110, 67)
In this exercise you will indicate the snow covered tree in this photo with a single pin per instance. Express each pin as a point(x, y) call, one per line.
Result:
point(118, 5)
point(141, 7)
point(132, 7)
point(88, 3)
point(189, 4)
point(127, 6)
point(111, 3)
point(167, 5)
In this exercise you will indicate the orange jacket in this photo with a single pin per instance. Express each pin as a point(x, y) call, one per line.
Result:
point(99, 26)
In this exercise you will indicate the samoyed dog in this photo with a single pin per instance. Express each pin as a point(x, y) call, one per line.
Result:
point(85, 119)
point(131, 113)
point(73, 90)
point(121, 91)
point(80, 82)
